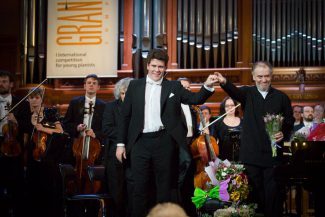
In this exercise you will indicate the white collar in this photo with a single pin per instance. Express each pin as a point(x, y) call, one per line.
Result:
point(150, 81)
point(6, 99)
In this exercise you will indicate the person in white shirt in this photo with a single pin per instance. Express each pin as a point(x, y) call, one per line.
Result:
point(151, 129)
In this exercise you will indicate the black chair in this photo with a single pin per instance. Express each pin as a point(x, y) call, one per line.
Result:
point(70, 191)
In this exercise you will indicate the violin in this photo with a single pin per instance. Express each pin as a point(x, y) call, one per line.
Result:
point(204, 149)
point(10, 146)
point(86, 150)
point(39, 138)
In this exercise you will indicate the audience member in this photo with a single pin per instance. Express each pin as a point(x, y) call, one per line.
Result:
point(297, 114)
point(167, 210)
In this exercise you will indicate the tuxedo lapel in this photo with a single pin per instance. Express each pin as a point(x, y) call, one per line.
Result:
point(165, 90)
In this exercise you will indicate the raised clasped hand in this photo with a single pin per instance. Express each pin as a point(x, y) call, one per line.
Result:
point(212, 79)
point(220, 78)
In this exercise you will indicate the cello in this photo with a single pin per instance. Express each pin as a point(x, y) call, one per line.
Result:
point(204, 149)
point(10, 146)
point(86, 150)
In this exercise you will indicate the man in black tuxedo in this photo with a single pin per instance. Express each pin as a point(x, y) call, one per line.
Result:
point(151, 129)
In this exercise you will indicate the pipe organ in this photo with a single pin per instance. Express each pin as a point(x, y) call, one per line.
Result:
point(289, 32)
point(207, 33)
point(33, 40)
point(149, 31)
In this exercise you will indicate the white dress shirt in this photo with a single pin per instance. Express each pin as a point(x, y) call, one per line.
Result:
point(88, 116)
point(4, 110)
point(152, 119)
point(188, 117)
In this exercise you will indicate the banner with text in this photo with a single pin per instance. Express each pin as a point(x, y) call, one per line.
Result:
point(82, 38)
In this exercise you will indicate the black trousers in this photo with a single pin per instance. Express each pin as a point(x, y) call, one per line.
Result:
point(186, 178)
point(116, 183)
point(153, 154)
point(266, 192)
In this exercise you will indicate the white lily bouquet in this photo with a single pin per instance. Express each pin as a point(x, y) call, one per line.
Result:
point(273, 124)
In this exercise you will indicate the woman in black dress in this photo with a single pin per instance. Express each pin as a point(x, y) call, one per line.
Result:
point(42, 175)
point(227, 130)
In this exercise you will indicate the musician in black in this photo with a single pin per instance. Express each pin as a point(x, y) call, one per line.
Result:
point(42, 174)
point(117, 172)
point(76, 119)
point(80, 121)
point(11, 163)
point(256, 151)
point(227, 130)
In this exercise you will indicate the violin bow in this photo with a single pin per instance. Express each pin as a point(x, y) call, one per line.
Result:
point(206, 126)
point(25, 97)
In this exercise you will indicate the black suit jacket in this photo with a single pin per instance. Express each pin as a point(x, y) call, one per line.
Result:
point(111, 118)
point(172, 95)
point(255, 146)
point(75, 115)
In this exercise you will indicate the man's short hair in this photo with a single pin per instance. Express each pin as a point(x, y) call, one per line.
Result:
point(263, 64)
point(4, 73)
point(159, 54)
point(94, 76)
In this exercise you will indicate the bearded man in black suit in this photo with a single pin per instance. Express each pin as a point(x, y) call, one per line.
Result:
point(151, 129)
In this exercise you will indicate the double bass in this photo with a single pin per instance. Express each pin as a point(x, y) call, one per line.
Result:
point(10, 146)
point(86, 150)
point(204, 149)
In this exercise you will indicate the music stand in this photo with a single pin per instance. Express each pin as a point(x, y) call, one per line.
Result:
point(234, 139)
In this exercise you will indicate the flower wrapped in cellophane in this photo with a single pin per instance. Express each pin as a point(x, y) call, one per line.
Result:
point(273, 125)
point(227, 183)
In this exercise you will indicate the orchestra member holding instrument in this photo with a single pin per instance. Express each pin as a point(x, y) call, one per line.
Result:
point(83, 122)
point(117, 173)
point(259, 157)
point(11, 147)
point(42, 176)
point(227, 130)
point(151, 129)
point(208, 118)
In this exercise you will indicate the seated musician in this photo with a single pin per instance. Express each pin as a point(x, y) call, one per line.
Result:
point(41, 175)
point(226, 128)
point(76, 119)
point(84, 119)
point(11, 167)
point(206, 111)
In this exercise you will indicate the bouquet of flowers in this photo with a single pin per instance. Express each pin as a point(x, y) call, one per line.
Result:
point(239, 211)
point(273, 124)
point(227, 183)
